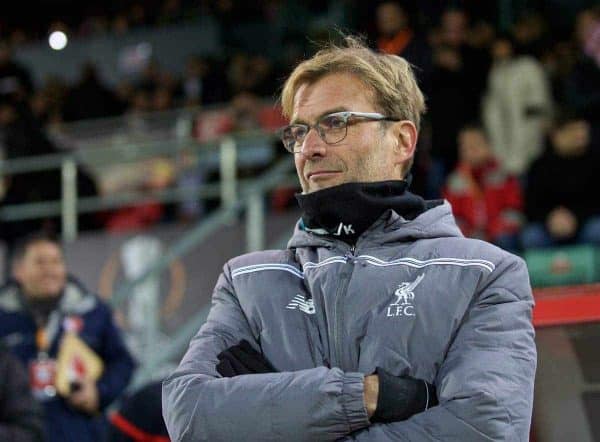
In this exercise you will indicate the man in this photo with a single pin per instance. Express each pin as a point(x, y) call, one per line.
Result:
point(516, 106)
point(378, 299)
point(486, 201)
point(395, 36)
point(15, 79)
point(37, 308)
point(564, 210)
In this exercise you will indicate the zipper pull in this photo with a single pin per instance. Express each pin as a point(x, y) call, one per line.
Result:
point(350, 253)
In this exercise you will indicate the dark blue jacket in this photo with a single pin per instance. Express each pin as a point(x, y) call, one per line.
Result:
point(97, 329)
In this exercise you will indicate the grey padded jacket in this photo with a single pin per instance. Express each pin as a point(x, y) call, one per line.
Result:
point(413, 297)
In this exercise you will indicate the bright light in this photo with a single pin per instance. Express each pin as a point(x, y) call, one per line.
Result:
point(58, 40)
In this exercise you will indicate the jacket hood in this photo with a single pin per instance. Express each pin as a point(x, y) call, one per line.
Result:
point(436, 222)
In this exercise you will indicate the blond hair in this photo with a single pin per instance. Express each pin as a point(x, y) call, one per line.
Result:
point(389, 77)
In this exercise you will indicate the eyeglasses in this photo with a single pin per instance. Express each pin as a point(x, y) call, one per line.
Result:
point(332, 128)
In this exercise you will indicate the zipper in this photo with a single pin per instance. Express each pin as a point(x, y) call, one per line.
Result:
point(338, 327)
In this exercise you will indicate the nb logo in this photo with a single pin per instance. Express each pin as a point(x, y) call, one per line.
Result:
point(345, 229)
point(303, 304)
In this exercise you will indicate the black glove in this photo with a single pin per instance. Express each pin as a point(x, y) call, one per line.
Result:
point(401, 397)
point(242, 359)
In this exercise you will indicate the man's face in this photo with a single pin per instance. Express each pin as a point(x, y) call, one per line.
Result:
point(473, 147)
point(390, 19)
point(572, 138)
point(502, 50)
point(367, 152)
point(41, 271)
point(584, 26)
point(454, 27)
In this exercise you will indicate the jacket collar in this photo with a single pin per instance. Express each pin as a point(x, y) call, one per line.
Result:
point(391, 227)
point(75, 300)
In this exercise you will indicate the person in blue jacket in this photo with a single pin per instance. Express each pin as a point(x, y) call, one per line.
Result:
point(37, 307)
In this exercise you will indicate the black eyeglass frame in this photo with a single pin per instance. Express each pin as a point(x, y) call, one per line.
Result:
point(293, 144)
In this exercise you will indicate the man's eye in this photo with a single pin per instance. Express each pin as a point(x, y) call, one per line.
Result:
point(293, 132)
point(299, 132)
point(333, 122)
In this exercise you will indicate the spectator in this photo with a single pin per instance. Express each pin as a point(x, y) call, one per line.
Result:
point(485, 200)
point(159, 176)
point(150, 77)
point(449, 111)
point(215, 88)
point(20, 416)
point(245, 109)
point(517, 106)
point(203, 82)
point(90, 98)
point(560, 201)
point(480, 39)
point(530, 35)
point(581, 90)
point(171, 12)
point(23, 136)
point(36, 309)
point(15, 80)
point(191, 175)
point(140, 103)
point(397, 37)
point(120, 24)
point(138, 15)
point(193, 83)
point(558, 63)
point(162, 99)
point(95, 24)
point(139, 417)
point(47, 103)
point(250, 74)
point(456, 86)
point(457, 33)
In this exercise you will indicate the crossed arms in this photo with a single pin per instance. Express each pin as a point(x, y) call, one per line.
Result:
point(484, 385)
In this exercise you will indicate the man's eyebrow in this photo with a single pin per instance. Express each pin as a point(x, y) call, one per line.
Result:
point(327, 112)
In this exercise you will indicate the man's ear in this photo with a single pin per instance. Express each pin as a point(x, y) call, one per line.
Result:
point(405, 135)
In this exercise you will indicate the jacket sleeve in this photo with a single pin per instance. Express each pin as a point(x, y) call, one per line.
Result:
point(199, 405)
point(118, 363)
point(485, 384)
point(20, 415)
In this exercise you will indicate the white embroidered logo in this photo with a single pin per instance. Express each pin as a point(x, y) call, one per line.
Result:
point(344, 228)
point(404, 297)
point(303, 304)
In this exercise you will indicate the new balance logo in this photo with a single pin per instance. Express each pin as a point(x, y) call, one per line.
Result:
point(303, 304)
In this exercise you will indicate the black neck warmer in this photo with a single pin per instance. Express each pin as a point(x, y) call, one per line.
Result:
point(347, 210)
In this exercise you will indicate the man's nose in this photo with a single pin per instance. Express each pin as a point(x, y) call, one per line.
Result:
point(313, 145)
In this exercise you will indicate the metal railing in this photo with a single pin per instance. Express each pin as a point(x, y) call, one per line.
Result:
point(251, 201)
point(237, 196)
point(223, 151)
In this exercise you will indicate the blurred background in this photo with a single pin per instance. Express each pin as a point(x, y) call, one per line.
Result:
point(144, 133)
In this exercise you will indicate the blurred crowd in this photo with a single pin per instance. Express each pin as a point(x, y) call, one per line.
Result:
point(94, 18)
point(510, 138)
